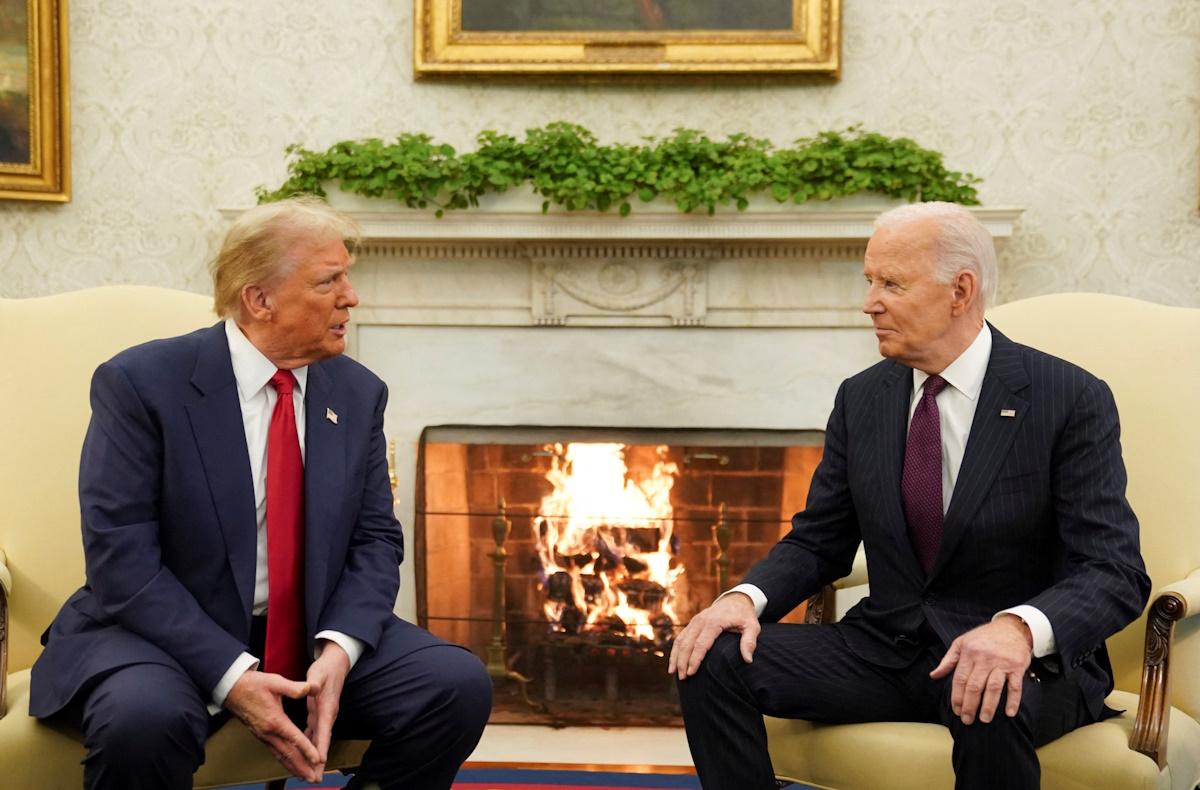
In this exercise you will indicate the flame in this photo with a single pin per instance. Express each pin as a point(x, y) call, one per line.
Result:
point(605, 544)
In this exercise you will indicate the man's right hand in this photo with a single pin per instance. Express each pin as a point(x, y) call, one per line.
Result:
point(733, 612)
point(255, 699)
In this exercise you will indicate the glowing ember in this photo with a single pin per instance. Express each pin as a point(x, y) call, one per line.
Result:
point(606, 546)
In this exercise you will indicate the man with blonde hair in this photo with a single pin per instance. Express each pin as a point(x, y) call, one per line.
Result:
point(242, 554)
point(985, 483)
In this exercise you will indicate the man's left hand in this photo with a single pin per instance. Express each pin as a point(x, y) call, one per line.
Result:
point(985, 660)
point(326, 676)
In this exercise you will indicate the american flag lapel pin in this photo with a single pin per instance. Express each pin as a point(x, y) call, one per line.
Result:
point(331, 415)
point(1003, 413)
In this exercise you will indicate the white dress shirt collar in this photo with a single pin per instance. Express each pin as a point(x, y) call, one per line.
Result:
point(252, 370)
point(966, 373)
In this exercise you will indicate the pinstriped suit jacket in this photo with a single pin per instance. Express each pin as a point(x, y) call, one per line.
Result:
point(1038, 516)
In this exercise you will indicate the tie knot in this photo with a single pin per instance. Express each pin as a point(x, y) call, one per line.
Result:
point(933, 385)
point(284, 382)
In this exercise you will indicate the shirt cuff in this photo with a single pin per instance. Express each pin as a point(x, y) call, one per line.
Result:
point(756, 595)
point(1039, 627)
point(240, 666)
point(354, 647)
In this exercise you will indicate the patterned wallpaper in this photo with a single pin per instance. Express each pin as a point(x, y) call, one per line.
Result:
point(1084, 112)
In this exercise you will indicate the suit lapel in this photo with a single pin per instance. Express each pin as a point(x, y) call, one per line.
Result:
point(895, 398)
point(324, 479)
point(216, 420)
point(992, 434)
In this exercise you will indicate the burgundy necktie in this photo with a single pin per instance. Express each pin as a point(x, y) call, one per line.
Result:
point(921, 483)
point(284, 651)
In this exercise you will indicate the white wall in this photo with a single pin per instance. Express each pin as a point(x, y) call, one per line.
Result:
point(1085, 112)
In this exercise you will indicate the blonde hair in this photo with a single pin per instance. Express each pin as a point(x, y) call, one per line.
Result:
point(260, 245)
point(961, 243)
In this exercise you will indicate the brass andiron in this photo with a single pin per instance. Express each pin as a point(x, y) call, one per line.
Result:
point(721, 534)
point(496, 665)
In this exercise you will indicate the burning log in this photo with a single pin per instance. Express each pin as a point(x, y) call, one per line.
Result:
point(643, 594)
point(609, 624)
point(558, 588)
point(664, 629)
point(572, 620)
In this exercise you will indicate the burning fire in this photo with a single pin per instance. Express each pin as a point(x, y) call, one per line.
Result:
point(606, 545)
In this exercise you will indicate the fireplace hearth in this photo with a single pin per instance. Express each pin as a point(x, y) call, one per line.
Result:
point(567, 559)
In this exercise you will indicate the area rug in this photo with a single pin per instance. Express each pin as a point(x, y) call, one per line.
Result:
point(492, 778)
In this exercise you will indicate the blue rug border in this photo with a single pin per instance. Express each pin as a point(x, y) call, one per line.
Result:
point(579, 778)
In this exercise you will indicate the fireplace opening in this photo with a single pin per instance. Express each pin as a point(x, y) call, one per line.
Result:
point(567, 558)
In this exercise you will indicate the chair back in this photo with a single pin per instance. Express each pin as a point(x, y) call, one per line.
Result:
point(1150, 356)
point(51, 347)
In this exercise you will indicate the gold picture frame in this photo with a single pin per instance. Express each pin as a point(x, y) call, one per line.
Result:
point(35, 123)
point(626, 38)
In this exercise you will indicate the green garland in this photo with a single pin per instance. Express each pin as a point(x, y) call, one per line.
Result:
point(567, 166)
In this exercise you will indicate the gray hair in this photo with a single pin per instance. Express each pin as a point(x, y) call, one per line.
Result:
point(259, 246)
point(961, 243)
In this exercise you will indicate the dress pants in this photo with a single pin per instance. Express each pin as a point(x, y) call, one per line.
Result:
point(145, 725)
point(809, 672)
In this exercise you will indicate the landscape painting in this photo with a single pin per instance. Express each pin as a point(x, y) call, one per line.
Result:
point(590, 40)
point(35, 141)
point(14, 82)
point(631, 15)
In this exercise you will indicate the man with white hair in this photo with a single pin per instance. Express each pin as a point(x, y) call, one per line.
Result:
point(984, 480)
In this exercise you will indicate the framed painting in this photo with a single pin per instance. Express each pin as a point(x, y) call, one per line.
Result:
point(34, 109)
point(624, 38)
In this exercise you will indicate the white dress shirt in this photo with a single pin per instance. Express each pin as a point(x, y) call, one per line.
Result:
point(253, 373)
point(956, 411)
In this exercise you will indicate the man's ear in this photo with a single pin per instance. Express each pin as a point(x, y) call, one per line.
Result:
point(257, 304)
point(966, 293)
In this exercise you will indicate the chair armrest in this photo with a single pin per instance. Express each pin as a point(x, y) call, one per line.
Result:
point(821, 607)
point(858, 573)
point(1173, 603)
point(5, 590)
point(5, 576)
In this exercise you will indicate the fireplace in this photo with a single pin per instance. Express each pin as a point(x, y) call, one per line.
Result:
point(568, 558)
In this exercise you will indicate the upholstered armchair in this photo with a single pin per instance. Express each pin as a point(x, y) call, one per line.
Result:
point(1150, 356)
point(51, 347)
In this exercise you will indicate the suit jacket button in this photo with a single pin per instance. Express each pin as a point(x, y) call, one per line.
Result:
point(930, 599)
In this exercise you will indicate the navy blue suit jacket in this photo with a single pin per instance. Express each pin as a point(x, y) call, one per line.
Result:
point(1038, 516)
point(169, 524)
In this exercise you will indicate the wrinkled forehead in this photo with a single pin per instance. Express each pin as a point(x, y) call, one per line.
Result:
point(311, 249)
point(907, 243)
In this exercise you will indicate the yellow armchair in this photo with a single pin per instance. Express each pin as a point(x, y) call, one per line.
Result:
point(51, 347)
point(1150, 356)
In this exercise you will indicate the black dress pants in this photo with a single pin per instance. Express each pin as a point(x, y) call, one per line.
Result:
point(808, 672)
point(423, 711)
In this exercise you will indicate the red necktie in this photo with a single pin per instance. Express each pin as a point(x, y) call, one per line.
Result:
point(285, 652)
point(921, 482)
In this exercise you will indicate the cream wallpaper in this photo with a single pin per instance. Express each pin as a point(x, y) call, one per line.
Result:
point(1084, 112)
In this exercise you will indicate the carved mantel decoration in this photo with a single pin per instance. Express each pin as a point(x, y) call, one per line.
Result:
point(660, 282)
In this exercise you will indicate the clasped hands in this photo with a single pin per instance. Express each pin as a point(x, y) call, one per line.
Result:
point(256, 699)
point(985, 660)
